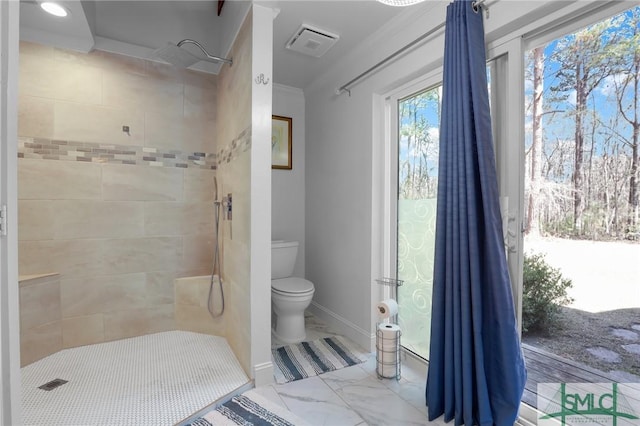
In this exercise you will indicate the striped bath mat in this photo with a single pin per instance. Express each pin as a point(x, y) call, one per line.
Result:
point(307, 359)
point(249, 409)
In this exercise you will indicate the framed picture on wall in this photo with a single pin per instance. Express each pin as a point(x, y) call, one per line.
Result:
point(281, 142)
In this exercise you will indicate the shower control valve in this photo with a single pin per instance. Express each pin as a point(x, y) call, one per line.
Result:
point(227, 203)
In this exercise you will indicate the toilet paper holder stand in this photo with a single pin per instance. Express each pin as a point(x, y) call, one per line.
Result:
point(388, 347)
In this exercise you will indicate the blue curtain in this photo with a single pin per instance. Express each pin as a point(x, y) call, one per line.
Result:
point(476, 367)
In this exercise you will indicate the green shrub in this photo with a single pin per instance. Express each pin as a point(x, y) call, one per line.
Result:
point(544, 291)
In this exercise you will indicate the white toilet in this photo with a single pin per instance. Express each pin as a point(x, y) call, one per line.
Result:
point(290, 296)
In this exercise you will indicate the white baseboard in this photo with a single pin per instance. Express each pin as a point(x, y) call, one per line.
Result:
point(343, 326)
point(263, 374)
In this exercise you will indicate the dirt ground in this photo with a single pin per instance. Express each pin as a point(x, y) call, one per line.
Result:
point(580, 330)
point(606, 309)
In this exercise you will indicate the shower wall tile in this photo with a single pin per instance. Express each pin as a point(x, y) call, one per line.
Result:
point(40, 312)
point(239, 312)
point(31, 82)
point(46, 180)
point(165, 97)
point(125, 292)
point(192, 291)
point(99, 59)
point(131, 91)
point(234, 171)
point(198, 253)
point(71, 258)
point(118, 215)
point(166, 72)
point(122, 256)
point(35, 49)
point(125, 90)
point(171, 218)
point(161, 318)
point(194, 78)
point(200, 103)
point(199, 134)
point(40, 303)
point(131, 155)
point(82, 330)
point(35, 220)
point(137, 322)
point(39, 342)
point(199, 320)
point(76, 83)
point(97, 219)
point(95, 94)
point(121, 182)
point(98, 124)
point(81, 296)
point(123, 324)
point(162, 130)
point(69, 82)
point(199, 185)
point(98, 294)
point(159, 287)
point(35, 116)
point(79, 219)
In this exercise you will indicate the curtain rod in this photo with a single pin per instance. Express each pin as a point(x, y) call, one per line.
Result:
point(477, 5)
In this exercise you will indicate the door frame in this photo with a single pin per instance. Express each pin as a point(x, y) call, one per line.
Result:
point(10, 409)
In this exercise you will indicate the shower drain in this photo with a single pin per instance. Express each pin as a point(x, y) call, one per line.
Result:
point(52, 384)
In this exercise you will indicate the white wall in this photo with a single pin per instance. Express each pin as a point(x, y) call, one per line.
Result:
point(288, 186)
point(261, 110)
point(344, 138)
point(339, 220)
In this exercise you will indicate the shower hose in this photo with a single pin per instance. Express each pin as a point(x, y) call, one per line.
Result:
point(216, 266)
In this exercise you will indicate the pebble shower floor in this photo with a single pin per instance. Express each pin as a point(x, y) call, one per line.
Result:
point(157, 379)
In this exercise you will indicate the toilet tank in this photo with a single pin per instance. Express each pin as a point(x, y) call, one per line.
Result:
point(283, 258)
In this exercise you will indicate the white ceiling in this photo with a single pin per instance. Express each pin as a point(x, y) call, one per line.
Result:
point(136, 28)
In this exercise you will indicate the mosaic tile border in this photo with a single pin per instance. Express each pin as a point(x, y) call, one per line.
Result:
point(53, 149)
point(240, 144)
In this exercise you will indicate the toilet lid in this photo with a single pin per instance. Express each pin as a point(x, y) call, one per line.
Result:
point(292, 285)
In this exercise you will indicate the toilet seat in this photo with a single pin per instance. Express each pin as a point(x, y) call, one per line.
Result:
point(292, 285)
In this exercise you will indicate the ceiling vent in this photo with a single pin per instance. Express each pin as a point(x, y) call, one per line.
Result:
point(311, 41)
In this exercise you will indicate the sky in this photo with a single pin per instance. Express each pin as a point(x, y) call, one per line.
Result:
point(561, 127)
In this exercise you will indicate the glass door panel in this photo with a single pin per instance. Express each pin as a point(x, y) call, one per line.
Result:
point(418, 139)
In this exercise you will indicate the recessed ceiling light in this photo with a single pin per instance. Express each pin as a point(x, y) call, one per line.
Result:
point(54, 8)
point(400, 2)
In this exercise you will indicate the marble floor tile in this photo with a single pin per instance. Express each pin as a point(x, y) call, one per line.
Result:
point(354, 396)
point(345, 376)
point(369, 365)
point(379, 405)
point(412, 392)
point(271, 394)
point(317, 403)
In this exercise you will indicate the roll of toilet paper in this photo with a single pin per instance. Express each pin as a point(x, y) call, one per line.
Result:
point(389, 334)
point(388, 347)
point(387, 308)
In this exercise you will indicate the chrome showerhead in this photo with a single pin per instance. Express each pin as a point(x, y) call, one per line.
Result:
point(178, 56)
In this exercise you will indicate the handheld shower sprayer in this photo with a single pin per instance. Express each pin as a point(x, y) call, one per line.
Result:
point(215, 189)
